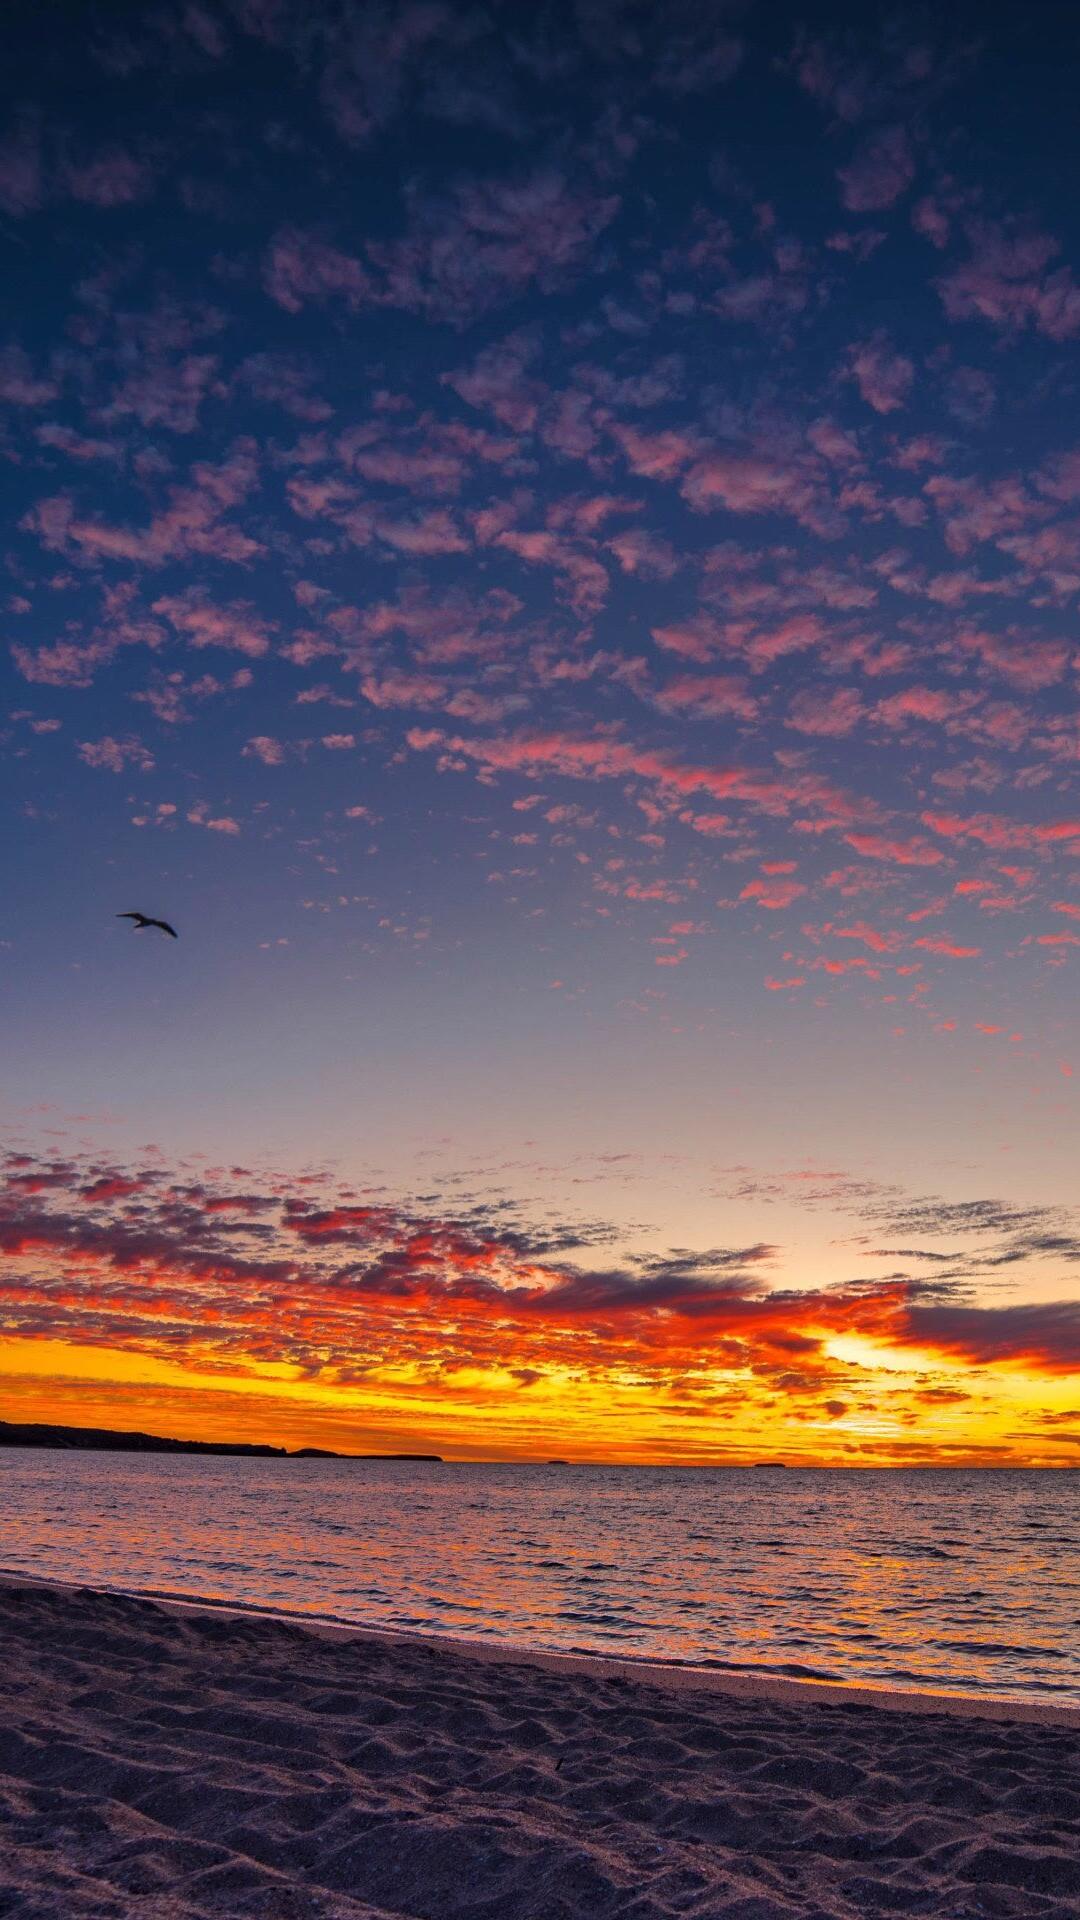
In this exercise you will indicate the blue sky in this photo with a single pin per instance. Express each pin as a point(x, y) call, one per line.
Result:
point(546, 542)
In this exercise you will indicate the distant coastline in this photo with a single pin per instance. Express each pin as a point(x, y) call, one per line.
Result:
point(109, 1440)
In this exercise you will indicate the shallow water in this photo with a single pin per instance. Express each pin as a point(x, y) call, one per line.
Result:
point(963, 1581)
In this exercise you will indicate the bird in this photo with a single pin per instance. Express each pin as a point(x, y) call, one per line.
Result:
point(143, 920)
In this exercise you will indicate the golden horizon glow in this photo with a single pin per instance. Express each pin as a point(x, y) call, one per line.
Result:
point(307, 1315)
point(60, 1383)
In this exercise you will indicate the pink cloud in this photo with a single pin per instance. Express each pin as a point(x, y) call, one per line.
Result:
point(829, 714)
point(929, 218)
point(656, 456)
point(761, 647)
point(395, 688)
point(300, 269)
point(462, 253)
point(200, 816)
point(882, 376)
point(973, 512)
point(756, 483)
point(697, 639)
point(881, 169)
point(237, 626)
point(193, 522)
point(869, 936)
point(497, 381)
point(993, 830)
point(902, 853)
point(834, 443)
point(773, 894)
point(915, 703)
point(947, 947)
point(427, 533)
point(20, 386)
point(262, 746)
point(420, 469)
point(644, 555)
point(708, 696)
point(1007, 282)
point(1028, 663)
point(115, 755)
point(113, 179)
point(21, 182)
point(602, 756)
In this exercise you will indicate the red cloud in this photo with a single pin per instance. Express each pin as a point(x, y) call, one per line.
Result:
point(773, 894)
point(993, 830)
point(903, 853)
point(947, 946)
point(127, 1258)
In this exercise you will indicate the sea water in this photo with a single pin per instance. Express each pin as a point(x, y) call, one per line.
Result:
point(941, 1578)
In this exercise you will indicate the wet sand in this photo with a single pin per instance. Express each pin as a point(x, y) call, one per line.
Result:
point(176, 1762)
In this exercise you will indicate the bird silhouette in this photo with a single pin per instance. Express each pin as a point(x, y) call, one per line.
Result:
point(143, 920)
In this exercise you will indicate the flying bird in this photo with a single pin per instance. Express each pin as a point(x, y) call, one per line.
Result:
point(143, 920)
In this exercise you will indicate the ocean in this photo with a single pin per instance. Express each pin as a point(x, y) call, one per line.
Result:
point(940, 1579)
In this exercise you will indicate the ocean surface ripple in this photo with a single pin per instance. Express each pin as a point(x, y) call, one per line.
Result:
point(941, 1579)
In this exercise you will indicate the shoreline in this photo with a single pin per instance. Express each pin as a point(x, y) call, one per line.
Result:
point(673, 1675)
point(184, 1762)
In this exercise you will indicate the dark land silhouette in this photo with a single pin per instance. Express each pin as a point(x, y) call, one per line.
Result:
point(15, 1433)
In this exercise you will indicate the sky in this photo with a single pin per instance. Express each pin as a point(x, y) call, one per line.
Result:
point(546, 543)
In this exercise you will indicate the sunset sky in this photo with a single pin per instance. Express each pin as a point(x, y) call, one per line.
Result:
point(546, 542)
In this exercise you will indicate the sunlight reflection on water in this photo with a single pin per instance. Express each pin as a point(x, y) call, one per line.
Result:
point(946, 1578)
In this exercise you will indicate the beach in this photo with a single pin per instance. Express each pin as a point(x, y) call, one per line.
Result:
point(176, 1762)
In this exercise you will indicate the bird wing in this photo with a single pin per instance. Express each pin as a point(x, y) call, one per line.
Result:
point(129, 916)
point(165, 928)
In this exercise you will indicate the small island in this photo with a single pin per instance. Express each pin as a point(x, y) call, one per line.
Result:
point(110, 1440)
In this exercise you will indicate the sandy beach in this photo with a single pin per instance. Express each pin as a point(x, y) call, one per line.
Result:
point(177, 1762)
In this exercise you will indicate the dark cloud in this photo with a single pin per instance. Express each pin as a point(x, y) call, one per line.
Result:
point(129, 1256)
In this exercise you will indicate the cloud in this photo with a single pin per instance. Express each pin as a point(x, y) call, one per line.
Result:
point(773, 894)
point(22, 187)
point(20, 386)
point(993, 830)
point(752, 482)
point(931, 944)
point(464, 252)
point(1044, 1335)
point(115, 755)
point(707, 696)
point(880, 170)
point(1008, 282)
point(264, 747)
point(301, 269)
point(599, 758)
point(882, 375)
point(236, 627)
point(831, 715)
point(111, 178)
point(229, 1277)
point(498, 382)
point(193, 523)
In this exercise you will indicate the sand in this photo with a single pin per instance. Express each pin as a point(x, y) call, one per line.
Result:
point(173, 1763)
